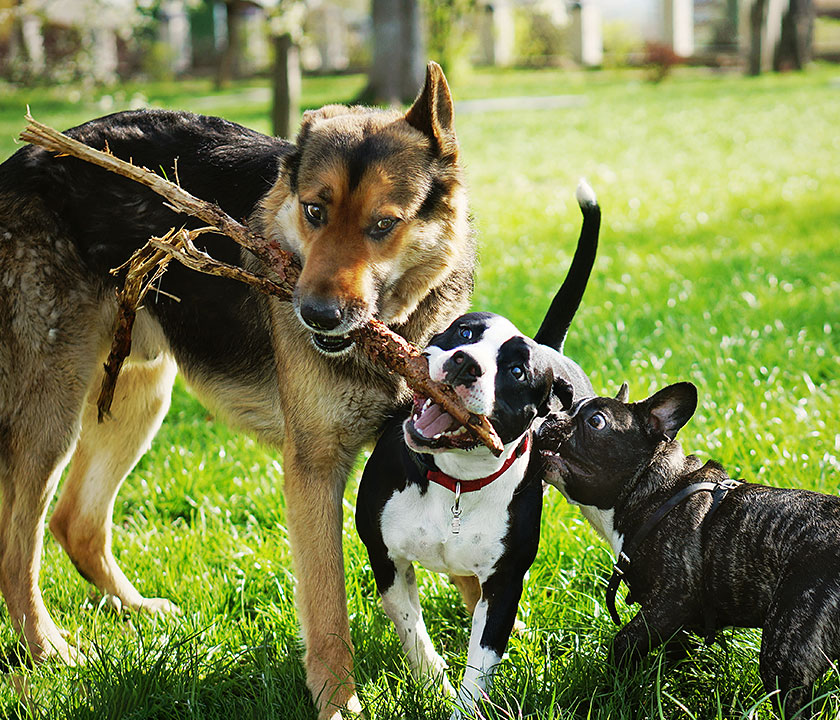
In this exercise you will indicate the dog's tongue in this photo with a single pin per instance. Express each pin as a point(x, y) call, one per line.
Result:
point(433, 421)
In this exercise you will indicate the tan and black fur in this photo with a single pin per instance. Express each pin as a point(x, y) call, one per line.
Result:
point(391, 240)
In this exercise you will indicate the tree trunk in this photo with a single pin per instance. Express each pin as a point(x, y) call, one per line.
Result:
point(286, 96)
point(796, 42)
point(26, 54)
point(758, 12)
point(399, 62)
point(228, 68)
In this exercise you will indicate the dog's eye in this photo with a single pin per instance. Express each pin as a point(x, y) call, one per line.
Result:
point(518, 372)
point(597, 421)
point(316, 214)
point(465, 332)
point(382, 227)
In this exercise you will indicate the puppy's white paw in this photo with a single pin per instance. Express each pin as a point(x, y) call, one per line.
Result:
point(447, 686)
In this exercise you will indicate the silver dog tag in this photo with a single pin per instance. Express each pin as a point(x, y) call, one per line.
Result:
point(456, 511)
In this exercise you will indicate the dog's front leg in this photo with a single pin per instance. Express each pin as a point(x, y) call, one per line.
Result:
point(646, 631)
point(401, 602)
point(493, 620)
point(315, 472)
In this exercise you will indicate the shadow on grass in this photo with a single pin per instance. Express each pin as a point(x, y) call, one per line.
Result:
point(180, 678)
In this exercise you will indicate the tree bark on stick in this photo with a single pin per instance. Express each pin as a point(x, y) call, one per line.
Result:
point(279, 260)
point(379, 342)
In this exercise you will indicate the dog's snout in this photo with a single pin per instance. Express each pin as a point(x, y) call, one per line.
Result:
point(556, 429)
point(320, 314)
point(461, 369)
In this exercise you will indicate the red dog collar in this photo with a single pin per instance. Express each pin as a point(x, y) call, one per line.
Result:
point(451, 483)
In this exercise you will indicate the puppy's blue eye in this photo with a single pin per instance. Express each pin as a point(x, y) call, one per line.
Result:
point(314, 213)
point(597, 421)
point(518, 372)
point(465, 333)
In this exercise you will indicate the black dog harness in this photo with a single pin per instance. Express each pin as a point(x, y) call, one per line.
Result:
point(718, 489)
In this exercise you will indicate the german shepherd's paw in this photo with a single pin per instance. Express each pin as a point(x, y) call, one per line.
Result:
point(148, 606)
point(352, 710)
point(158, 606)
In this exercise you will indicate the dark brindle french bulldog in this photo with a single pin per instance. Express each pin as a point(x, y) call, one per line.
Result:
point(698, 550)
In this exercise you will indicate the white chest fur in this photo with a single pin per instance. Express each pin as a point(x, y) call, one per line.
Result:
point(418, 527)
point(604, 523)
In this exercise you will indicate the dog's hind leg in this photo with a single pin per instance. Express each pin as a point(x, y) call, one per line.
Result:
point(40, 405)
point(795, 651)
point(105, 454)
point(28, 483)
point(51, 329)
point(470, 589)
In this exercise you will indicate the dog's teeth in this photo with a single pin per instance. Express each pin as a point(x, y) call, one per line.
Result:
point(427, 404)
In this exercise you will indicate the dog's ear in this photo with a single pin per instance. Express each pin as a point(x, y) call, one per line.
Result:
point(623, 394)
point(433, 113)
point(669, 409)
point(561, 389)
point(290, 164)
point(564, 392)
point(289, 168)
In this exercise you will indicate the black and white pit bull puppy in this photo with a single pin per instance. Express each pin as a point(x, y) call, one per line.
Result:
point(698, 550)
point(432, 494)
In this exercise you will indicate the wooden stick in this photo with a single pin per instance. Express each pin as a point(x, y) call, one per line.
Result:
point(281, 262)
point(182, 248)
point(401, 357)
point(378, 341)
point(144, 261)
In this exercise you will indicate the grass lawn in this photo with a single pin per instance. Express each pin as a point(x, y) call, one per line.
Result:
point(719, 263)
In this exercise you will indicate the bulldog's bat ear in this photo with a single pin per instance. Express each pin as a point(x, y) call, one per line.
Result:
point(669, 409)
point(623, 394)
point(433, 113)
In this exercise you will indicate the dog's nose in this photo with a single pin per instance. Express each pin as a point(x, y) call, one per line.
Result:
point(461, 369)
point(320, 314)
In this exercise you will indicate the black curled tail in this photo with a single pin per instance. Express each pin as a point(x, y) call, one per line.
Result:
point(558, 319)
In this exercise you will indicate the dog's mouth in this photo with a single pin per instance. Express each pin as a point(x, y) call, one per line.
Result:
point(332, 344)
point(562, 465)
point(554, 461)
point(430, 427)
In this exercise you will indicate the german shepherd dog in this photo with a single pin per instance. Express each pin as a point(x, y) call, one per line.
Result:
point(373, 204)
